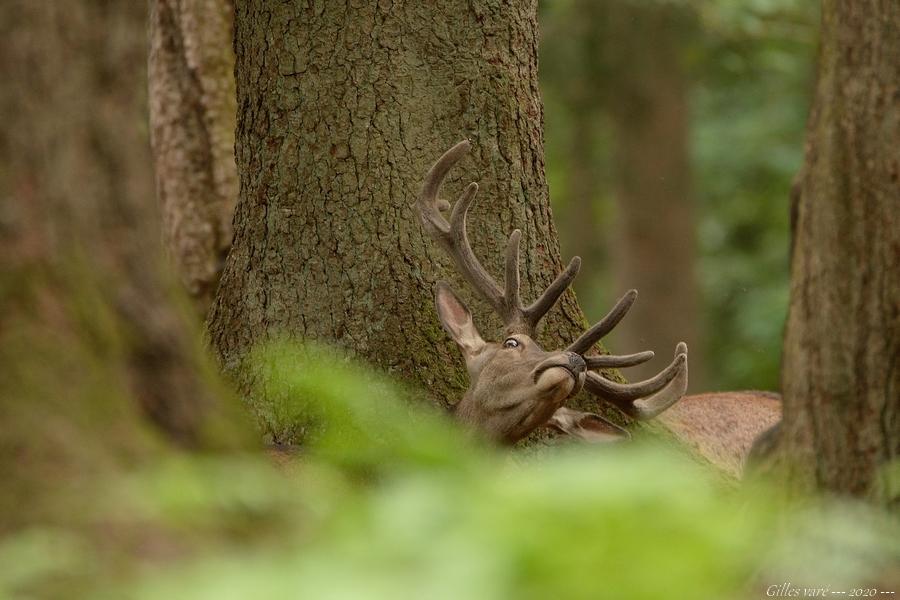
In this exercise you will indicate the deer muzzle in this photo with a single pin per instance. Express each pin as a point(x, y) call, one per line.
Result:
point(570, 362)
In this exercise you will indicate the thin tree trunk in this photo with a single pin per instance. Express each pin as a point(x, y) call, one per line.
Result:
point(655, 246)
point(192, 120)
point(342, 111)
point(100, 365)
point(583, 230)
point(841, 368)
point(579, 78)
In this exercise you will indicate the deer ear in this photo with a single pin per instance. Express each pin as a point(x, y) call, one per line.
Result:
point(457, 320)
point(586, 426)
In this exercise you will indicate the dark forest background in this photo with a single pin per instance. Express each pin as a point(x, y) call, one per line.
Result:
point(722, 91)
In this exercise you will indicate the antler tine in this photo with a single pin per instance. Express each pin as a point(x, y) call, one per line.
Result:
point(452, 236)
point(590, 337)
point(651, 406)
point(611, 361)
point(540, 307)
point(646, 399)
point(428, 202)
point(460, 250)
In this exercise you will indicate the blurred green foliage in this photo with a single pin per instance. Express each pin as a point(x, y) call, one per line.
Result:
point(391, 501)
point(754, 85)
point(750, 66)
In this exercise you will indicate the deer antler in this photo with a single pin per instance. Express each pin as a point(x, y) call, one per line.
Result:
point(646, 399)
point(453, 239)
point(658, 393)
point(641, 400)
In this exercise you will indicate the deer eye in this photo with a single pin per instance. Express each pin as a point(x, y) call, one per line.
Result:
point(511, 343)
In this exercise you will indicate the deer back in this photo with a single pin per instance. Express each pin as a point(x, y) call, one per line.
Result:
point(722, 426)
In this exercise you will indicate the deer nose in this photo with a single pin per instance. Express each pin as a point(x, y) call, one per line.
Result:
point(576, 363)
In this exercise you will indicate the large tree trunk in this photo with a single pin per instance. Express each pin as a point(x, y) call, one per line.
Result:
point(100, 365)
point(342, 109)
point(841, 369)
point(654, 248)
point(192, 119)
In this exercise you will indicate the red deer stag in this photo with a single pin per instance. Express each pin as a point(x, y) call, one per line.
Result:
point(516, 386)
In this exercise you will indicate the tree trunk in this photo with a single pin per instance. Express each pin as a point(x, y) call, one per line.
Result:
point(342, 111)
point(841, 369)
point(655, 246)
point(100, 365)
point(192, 119)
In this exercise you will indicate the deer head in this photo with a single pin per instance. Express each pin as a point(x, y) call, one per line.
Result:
point(515, 385)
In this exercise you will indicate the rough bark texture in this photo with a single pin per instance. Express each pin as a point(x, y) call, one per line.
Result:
point(342, 109)
point(841, 369)
point(655, 246)
point(192, 120)
point(93, 344)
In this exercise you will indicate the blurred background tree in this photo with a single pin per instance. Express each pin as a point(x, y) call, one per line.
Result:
point(730, 90)
point(640, 90)
point(102, 367)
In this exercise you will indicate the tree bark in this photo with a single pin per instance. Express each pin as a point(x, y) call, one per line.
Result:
point(100, 365)
point(841, 367)
point(192, 120)
point(342, 110)
point(654, 248)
